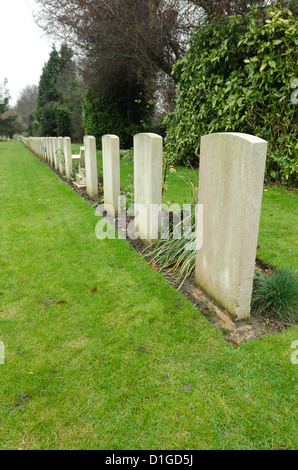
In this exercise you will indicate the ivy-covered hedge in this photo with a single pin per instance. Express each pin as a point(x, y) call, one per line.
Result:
point(238, 76)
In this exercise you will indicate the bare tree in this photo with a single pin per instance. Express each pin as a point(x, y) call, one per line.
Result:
point(26, 103)
point(216, 8)
point(144, 37)
point(141, 38)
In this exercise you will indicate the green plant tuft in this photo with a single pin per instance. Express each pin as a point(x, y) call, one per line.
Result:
point(176, 256)
point(276, 293)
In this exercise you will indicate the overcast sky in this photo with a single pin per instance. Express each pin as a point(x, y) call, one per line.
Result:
point(23, 46)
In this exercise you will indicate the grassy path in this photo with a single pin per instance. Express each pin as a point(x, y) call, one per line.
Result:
point(130, 366)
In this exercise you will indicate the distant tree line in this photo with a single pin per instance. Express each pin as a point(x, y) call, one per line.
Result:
point(10, 123)
point(118, 69)
point(26, 108)
point(58, 108)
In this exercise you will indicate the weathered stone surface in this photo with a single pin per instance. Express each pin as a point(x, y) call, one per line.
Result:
point(81, 178)
point(82, 158)
point(47, 149)
point(91, 166)
point(230, 188)
point(148, 185)
point(68, 157)
point(111, 172)
point(61, 157)
point(51, 150)
point(55, 153)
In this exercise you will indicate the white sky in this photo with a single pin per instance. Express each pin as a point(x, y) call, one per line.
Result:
point(23, 46)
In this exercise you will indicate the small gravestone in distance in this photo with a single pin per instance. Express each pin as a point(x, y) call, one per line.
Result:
point(67, 157)
point(55, 152)
point(60, 156)
point(51, 151)
point(111, 172)
point(82, 158)
point(81, 175)
point(91, 166)
point(80, 181)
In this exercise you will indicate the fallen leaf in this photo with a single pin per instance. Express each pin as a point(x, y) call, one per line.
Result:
point(61, 302)
point(94, 289)
point(154, 266)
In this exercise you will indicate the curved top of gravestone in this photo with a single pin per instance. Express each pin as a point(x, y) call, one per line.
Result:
point(148, 134)
point(111, 136)
point(248, 137)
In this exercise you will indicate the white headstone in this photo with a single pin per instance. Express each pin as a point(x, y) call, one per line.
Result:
point(52, 151)
point(230, 188)
point(68, 157)
point(91, 166)
point(61, 158)
point(111, 171)
point(55, 153)
point(82, 158)
point(148, 185)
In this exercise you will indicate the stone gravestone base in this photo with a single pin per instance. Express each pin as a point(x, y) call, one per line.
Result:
point(80, 181)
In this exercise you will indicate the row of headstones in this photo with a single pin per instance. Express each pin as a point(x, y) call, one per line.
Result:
point(147, 172)
point(231, 179)
point(57, 152)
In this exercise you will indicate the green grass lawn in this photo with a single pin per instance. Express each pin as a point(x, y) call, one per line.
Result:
point(278, 241)
point(132, 365)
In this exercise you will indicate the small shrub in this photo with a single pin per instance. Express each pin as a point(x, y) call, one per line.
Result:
point(176, 257)
point(276, 293)
point(129, 194)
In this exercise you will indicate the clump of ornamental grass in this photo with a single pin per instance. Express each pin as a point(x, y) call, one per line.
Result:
point(175, 256)
point(276, 294)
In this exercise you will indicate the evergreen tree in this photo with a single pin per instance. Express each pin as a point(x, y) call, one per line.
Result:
point(9, 124)
point(26, 107)
point(121, 108)
point(59, 96)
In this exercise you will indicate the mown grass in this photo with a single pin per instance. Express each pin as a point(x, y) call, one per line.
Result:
point(132, 365)
point(278, 241)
